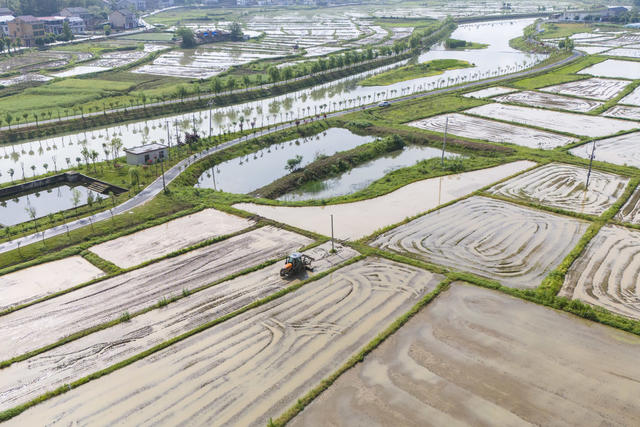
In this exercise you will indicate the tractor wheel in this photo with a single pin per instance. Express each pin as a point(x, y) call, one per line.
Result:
point(284, 272)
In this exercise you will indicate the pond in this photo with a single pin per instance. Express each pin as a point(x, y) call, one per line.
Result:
point(45, 201)
point(248, 173)
point(362, 176)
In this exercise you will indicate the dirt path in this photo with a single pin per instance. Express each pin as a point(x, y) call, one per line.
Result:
point(26, 380)
point(41, 280)
point(359, 219)
point(154, 242)
point(49, 321)
point(253, 366)
point(514, 245)
point(478, 357)
point(564, 186)
point(607, 273)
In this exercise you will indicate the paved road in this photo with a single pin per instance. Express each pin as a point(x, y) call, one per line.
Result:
point(156, 186)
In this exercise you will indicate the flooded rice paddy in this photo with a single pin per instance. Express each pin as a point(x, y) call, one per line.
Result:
point(614, 68)
point(623, 112)
point(489, 92)
point(514, 245)
point(595, 88)
point(632, 99)
point(547, 100)
point(621, 150)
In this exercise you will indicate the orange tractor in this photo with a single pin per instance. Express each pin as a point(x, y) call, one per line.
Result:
point(295, 264)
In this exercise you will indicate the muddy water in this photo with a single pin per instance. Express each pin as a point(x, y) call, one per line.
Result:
point(26, 380)
point(623, 112)
point(600, 89)
point(362, 176)
point(632, 99)
point(332, 96)
point(614, 68)
point(162, 239)
point(490, 130)
point(577, 124)
point(619, 150)
point(514, 245)
point(630, 212)
point(248, 173)
point(41, 280)
point(546, 100)
point(49, 321)
point(501, 361)
point(606, 274)
point(489, 92)
point(564, 186)
point(254, 366)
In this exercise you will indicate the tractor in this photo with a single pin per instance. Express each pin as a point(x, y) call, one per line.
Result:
point(295, 264)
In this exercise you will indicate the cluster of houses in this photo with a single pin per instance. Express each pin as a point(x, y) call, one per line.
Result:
point(27, 29)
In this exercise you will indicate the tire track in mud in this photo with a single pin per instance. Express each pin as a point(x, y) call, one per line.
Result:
point(607, 274)
point(254, 366)
point(548, 100)
point(26, 380)
point(595, 88)
point(563, 186)
point(475, 357)
point(621, 150)
point(36, 326)
point(514, 245)
point(630, 212)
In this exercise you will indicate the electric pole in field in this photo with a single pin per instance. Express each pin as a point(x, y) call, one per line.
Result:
point(591, 157)
point(444, 142)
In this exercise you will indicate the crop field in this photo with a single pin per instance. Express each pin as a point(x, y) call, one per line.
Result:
point(632, 99)
point(253, 366)
point(595, 88)
point(38, 325)
point(479, 357)
point(577, 124)
point(606, 274)
point(620, 150)
point(514, 245)
point(160, 240)
point(623, 112)
point(41, 280)
point(489, 92)
point(491, 130)
point(547, 100)
point(614, 68)
point(630, 212)
point(388, 209)
point(26, 380)
point(563, 186)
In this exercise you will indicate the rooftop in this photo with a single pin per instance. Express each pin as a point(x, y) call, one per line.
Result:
point(76, 9)
point(125, 12)
point(145, 148)
point(28, 18)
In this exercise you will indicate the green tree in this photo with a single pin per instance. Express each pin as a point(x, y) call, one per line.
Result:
point(107, 29)
point(66, 32)
point(188, 38)
point(292, 164)
point(236, 31)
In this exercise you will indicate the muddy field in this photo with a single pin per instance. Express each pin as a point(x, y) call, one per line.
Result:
point(625, 52)
point(254, 366)
point(49, 321)
point(349, 221)
point(606, 274)
point(564, 186)
point(632, 99)
point(154, 242)
point(623, 112)
point(478, 357)
point(489, 92)
point(620, 150)
point(547, 100)
point(614, 68)
point(490, 130)
point(45, 279)
point(600, 89)
point(26, 380)
point(577, 124)
point(514, 245)
point(630, 212)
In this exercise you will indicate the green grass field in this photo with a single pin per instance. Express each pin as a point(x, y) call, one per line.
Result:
point(409, 72)
point(552, 31)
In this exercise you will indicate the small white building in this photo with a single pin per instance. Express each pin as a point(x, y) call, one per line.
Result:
point(123, 19)
point(76, 24)
point(146, 154)
point(4, 24)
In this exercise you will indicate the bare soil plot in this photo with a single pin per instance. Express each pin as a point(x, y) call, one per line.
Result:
point(489, 92)
point(145, 245)
point(614, 68)
point(547, 100)
point(619, 150)
point(351, 223)
point(630, 212)
point(254, 366)
point(514, 245)
point(607, 273)
point(41, 280)
point(51, 320)
point(478, 357)
point(564, 186)
point(26, 380)
point(623, 112)
point(490, 130)
point(632, 99)
point(596, 88)
point(577, 124)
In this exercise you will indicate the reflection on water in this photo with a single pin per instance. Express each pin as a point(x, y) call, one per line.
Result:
point(362, 176)
point(248, 173)
point(45, 201)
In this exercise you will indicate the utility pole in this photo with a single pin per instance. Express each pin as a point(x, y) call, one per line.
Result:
point(444, 142)
point(591, 157)
point(333, 249)
point(164, 187)
point(210, 105)
point(166, 123)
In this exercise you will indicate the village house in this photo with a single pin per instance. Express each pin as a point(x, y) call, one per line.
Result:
point(123, 19)
point(27, 29)
point(146, 154)
point(87, 17)
point(4, 24)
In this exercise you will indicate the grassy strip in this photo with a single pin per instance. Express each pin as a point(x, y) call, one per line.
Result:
point(357, 358)
point(104, 265)
point(561, 75)
point(10, 413)
point(414, 71)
